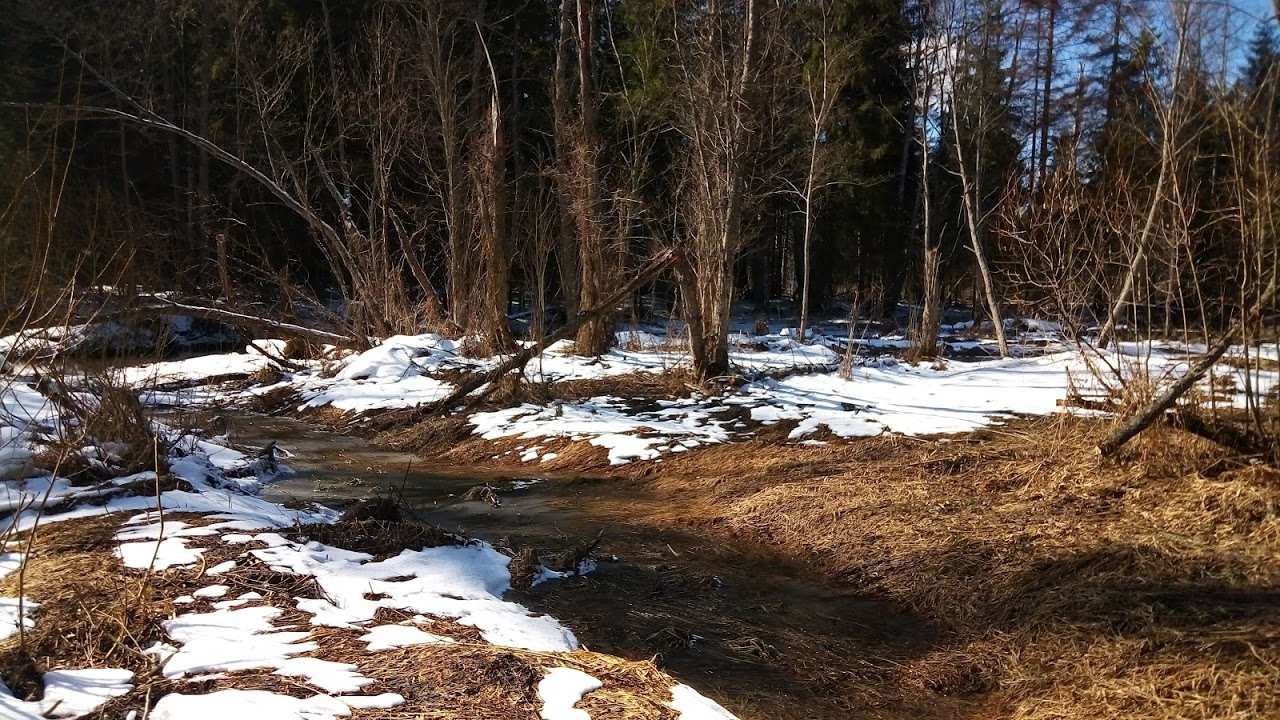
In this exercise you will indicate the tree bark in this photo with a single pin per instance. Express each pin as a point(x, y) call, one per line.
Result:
point(971, 195)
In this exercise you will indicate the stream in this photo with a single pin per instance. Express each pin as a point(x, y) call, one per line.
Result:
point(730, 617)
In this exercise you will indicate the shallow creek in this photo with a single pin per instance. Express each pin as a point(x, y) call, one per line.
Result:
point(727, 616)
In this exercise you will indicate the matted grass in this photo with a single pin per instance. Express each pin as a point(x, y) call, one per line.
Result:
point(1066, 586)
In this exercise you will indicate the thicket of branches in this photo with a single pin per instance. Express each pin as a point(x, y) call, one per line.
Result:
point(429, 164)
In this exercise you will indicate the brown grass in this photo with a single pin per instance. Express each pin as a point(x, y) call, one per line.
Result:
point(1067, 587)
point(93, 612)
point(379, 538)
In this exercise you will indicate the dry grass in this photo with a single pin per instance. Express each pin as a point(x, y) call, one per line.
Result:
point(113, 418)
point(1067, 587)
point(93, 612)
point(379, 538)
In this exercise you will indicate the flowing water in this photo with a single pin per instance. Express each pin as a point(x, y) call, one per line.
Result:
point(731, 618)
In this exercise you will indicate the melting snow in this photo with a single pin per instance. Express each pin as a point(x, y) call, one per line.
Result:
point(67, 694)
point(388, 637)
point(465, 584)
point(256, 704)
point(693, 705)
point(9, 563)
point(561, 689)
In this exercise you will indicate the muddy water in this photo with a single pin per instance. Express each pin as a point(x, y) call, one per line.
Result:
point(733, 619)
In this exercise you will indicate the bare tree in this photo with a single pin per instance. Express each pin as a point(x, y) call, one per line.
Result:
point(969, 169)
point(821, 83)
point(926, 69)
point(1171, 111)
point(719, 59)
point(579, 174)
point(489, 174)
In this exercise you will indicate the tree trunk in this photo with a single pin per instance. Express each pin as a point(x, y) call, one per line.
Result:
point(931, 315)
point(971, 195)
point(1048, 93)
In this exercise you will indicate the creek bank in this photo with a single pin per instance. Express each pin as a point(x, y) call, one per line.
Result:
point(759, 630)
point(1015, 547)
point(202, 597)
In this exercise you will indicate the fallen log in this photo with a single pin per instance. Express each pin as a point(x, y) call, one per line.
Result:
point(518, 361)
point(238, 319)
point(159, 307)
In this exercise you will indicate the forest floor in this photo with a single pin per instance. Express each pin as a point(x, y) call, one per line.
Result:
point(1049, 583)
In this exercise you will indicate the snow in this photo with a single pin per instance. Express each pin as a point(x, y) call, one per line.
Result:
point(914, 400)
point(222, 567)
point(561, 689)
point(67, 694)
point(464, 584)
point(692, 705)
point(332, 677)
point(607, 423)
point(23, 413)
point(256, 704)
point(159, 555)
point(196, 368)
point(388, 637)
point(10, 563)
point(9, 616)
point(884, 394)
point(389, 375)
point(239, 639)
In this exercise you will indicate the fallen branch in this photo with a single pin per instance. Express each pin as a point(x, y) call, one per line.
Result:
point(518, 361)
point(160, 307)
point(1169, 397)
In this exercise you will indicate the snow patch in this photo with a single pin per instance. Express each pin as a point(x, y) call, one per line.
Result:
point(389, 637)
point(68, 694)
point(693, 705)
point(561, 689)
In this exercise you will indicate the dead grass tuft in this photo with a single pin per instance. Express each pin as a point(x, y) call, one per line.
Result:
point(92, 611)
point(276, 400)
point(266, 375)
